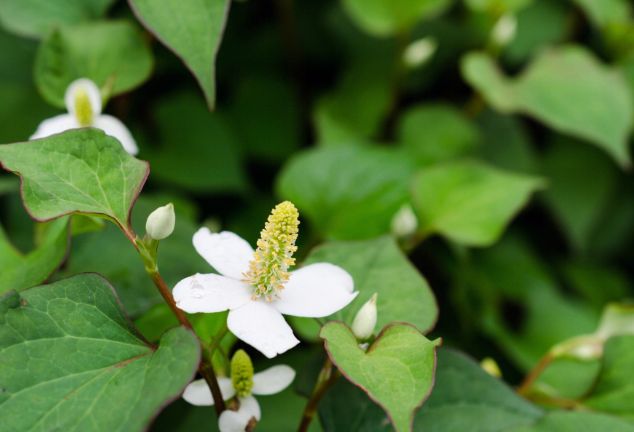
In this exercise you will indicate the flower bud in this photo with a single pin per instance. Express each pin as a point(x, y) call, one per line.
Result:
point(404, 222)
point(419, 52)
point(160, 223)
point(491, 367)
point(504, 30)
point(365, 320)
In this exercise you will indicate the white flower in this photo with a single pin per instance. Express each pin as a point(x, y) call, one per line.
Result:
point(419, 52)
point(256, 287)
point(83, 102)
point(404, 222)
point(504, 30)
point(242, 385)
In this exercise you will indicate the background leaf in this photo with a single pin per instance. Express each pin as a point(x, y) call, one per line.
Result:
point(194, 37)
point(113, 54)
point(469, 202)
point(596, 106)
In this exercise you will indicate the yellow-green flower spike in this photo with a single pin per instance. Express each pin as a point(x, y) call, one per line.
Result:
point(268, 271)
point(242, 373)
point(83, 109)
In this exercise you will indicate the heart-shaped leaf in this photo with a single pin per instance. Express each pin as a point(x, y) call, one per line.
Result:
point(596, 105)
point(26, 270)
point(78, 171)
point(194, 36)
point(469, 202)
point(397, 371)
point(113, 54)
point(70, 360)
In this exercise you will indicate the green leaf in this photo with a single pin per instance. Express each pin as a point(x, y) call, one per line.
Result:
point(578, 201)
point(26, 270)
point(436, 133)
point(469, 202)
point(36, 18)
point(347, 193)
point(614, 389)
point(198, 150)
point(397, 371)
point(113, 54)
point(389, 17)
point(546, 92)
point(566, 421)
point(466, 398)
point(377, 266)
point(192, 29)
point(72, 361)
point(606, 12)
point(78, 171)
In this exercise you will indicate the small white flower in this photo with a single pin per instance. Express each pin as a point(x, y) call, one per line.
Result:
point(404, 222)
point(160, 223)
point(256, 287)
point(242, 385)
point(83, 102)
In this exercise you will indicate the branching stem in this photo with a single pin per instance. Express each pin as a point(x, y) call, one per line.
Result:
point(327, 377)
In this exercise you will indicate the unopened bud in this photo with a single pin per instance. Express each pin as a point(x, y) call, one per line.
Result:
point(419, 52)
point(365, 320)
point(491, 367)
point(160, 223)
point(504, 30)
point(404, 222)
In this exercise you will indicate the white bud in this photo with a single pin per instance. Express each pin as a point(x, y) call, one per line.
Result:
point(160, 223)
point(365, 320)
point(404, 222)
point(419, 52)
point(504, 30)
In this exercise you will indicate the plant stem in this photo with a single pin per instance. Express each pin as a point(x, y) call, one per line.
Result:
point(148, 255)
point(327, 377)
point(535, 373)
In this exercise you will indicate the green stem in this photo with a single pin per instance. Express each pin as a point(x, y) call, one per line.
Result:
point(147, 248)
point(327, 377)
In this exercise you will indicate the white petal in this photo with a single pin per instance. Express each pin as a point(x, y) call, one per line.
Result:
point(91, 89)
point(261, 326)
point(226, 252)
point(250, 406)
point(273, 380)
point(55, 125)
point(233, 421)
point(316, 290)
point(210, 293)
point(198, 393)
point(115, 128)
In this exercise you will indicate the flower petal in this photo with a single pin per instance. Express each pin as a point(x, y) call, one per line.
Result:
point(55, 125)
point(91, 89)
point(226, 252)
point(237, 421)
point(198, 393)
point(210, 293)
point(250, 406)
point(261, 326)
point(115, 128)
point(273, 380)
point(316, 290)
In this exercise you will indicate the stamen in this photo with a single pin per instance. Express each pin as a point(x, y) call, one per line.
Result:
point(242, 373)
point(268, 271)
point(83, 109)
